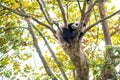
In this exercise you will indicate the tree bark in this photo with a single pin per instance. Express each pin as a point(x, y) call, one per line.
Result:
point(35, 43)
point(79, 61)
point(107, 72)
point(77, 57)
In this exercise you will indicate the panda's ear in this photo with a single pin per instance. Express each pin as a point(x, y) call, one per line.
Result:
point(70, 24)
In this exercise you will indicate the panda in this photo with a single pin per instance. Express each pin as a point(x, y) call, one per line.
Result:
point(69, 33)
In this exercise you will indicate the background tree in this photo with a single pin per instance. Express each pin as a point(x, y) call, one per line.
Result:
point(24, 24)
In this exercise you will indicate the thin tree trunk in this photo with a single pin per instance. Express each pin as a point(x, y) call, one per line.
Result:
point(35, 43)
point(107, 72)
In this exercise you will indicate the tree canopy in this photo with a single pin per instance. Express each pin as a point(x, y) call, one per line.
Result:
point(30, 49)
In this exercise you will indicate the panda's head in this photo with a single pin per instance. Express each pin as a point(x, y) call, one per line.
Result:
point(75, 25)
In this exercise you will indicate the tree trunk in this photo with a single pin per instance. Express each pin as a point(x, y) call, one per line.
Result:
point(78, 59)
point(107, 72)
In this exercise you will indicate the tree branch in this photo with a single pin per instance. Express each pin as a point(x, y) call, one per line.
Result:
point(51, 51)
point(27, 16)
point(101, 21)
point(35, 43)
point(84, 7)
point(44, 11)
point(43, 24)
point(20, 14)
point(63, 12)
point(82, 15)
point(79, 5)
point(87, 14)
point(85, 18)
point(47, 16)
point(91, 7)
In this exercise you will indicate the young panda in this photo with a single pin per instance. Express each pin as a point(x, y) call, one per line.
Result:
point(69, 34)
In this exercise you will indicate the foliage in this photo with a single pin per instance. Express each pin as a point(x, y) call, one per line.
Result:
point(17, 53)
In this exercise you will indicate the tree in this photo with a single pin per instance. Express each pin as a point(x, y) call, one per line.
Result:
point(16, 14)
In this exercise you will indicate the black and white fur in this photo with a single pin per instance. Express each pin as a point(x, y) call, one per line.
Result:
point(69, 33)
